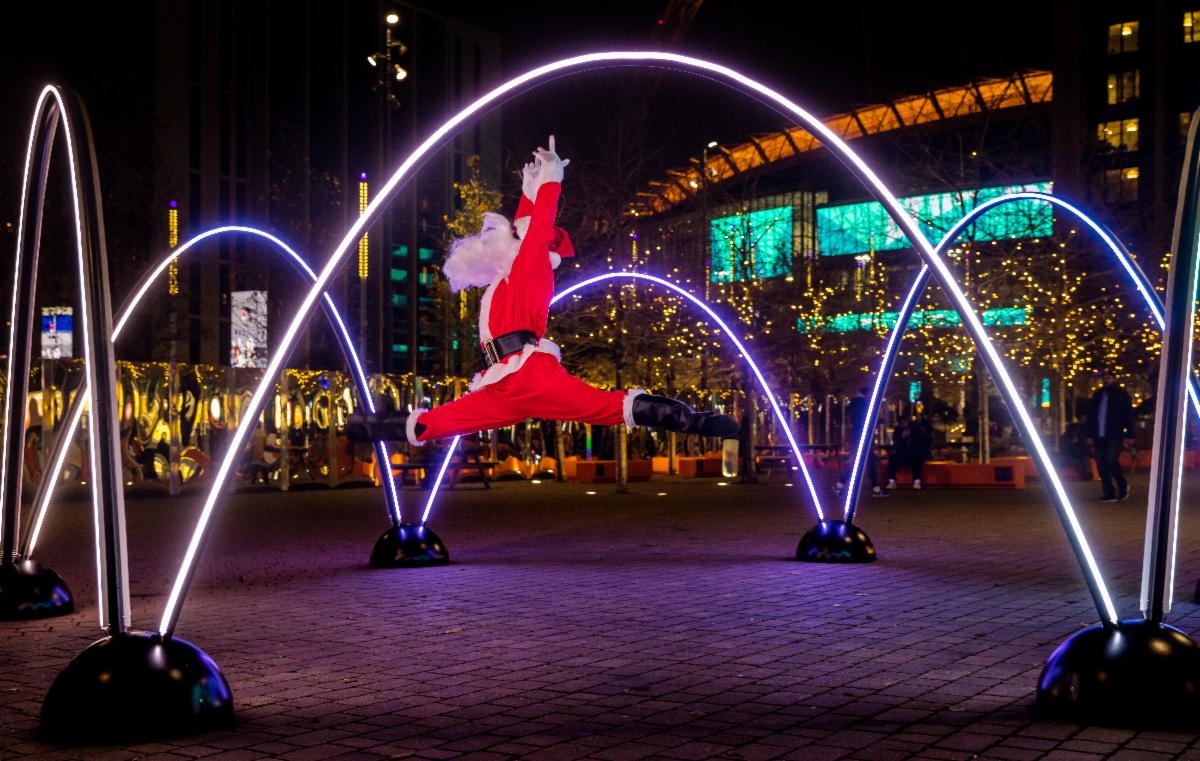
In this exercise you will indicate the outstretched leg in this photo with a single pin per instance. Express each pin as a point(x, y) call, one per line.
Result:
point(541, 389)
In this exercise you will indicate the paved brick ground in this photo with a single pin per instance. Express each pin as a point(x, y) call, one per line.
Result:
point(614, 627)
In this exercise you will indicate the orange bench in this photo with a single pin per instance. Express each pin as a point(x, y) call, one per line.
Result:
point(605, 471)
point(570, 464)
point(1066, 472)
point(946, 473)
point(697, 467)
point(973, 475)
point(1019, 462)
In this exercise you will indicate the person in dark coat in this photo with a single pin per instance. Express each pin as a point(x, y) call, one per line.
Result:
point(857, 411)
point(911, 447)
point(1110, 429)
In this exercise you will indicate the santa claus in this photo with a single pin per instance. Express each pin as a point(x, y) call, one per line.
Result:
point(515, 261)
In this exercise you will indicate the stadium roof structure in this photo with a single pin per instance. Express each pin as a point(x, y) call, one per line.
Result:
point(1022, 89)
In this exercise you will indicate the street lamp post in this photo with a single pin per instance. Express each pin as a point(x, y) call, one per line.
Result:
point(389, 72)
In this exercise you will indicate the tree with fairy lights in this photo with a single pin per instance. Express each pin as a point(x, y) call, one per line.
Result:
point(458, 313)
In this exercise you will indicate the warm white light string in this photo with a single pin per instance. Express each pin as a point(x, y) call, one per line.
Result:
point(1149, 297)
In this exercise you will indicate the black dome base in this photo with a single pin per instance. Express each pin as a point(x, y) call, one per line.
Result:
point(137, 686)
point(1136, 673)
point(30, 590)
point(409, 545)
point(836, 542)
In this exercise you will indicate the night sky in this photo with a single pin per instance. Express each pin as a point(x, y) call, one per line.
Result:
point(830, 56)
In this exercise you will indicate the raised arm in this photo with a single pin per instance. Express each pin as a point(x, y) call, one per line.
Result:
point(541, 187)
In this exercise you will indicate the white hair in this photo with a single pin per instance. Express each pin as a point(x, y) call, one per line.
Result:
point(480, 259)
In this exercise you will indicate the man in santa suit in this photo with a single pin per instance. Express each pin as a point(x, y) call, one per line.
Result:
point(523, 378)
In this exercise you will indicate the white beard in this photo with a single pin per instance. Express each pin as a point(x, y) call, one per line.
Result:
point(481, 259)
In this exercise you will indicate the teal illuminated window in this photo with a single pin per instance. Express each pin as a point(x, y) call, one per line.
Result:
point(861, 227)
point(423, 254)
point(755, 244)
point(1045, 400)
point(914, 390)
point(933, 318)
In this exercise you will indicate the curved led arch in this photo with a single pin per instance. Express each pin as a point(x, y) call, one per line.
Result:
point(771, 99)
point(75, 414)
point(1142, 283)
point(729, 333)
point(55, 109)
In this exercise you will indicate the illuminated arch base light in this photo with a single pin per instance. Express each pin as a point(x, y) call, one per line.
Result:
point(112, 569)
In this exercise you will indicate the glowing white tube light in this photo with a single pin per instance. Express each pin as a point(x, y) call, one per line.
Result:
point(135, 300)
point(773, 98)
point(877, 390)
point(53, 93)
point(1119, 251)
point(437, 482)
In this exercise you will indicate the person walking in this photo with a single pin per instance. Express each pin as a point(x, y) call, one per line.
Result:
point(1111, 430)
point(910, 446)
point(857, 411)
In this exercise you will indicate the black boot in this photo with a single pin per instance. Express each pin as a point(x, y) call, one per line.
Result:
point(387, 426)
point(673, 415)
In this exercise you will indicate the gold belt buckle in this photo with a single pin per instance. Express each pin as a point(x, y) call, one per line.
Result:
point(492, 352)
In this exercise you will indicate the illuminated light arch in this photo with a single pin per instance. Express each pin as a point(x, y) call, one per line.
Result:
point(1142, 283)
point(729, 333)
point(53, 110)
point(75, 414)
point(772, 99)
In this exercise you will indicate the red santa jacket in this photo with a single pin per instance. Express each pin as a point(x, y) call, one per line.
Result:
point(521, 301)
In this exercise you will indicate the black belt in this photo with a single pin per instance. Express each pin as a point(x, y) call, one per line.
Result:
point(500, 347)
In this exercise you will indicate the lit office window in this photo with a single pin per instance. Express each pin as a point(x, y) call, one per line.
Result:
point(752, 245)
point(1120, 135)
point(1124, 87)
point(1123, 37)
point(1191, 26)
point(1121, 184)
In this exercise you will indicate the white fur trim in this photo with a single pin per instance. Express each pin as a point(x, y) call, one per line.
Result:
point(485, 312)
point(555, 260)
point(627, 405)
point(513, 363)
point(410, 427)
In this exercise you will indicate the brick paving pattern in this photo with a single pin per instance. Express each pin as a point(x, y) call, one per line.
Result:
point(574, 626)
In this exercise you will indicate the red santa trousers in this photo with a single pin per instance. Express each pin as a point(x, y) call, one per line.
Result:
point(540, 389)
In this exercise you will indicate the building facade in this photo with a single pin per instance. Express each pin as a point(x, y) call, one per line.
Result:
point(270, 114)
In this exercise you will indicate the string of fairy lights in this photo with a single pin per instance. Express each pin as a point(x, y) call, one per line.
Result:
point(1074, 318)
